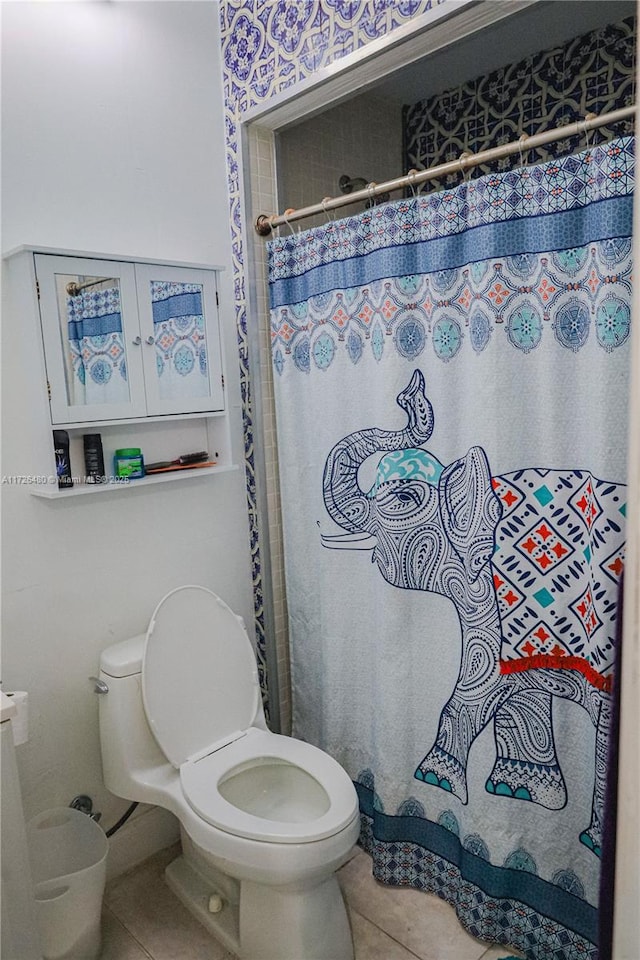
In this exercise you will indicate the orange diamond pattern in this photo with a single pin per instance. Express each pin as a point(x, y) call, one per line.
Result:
point(544, 547)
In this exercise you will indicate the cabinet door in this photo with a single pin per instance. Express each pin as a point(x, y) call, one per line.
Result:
point(181, 339)
point(90, 330)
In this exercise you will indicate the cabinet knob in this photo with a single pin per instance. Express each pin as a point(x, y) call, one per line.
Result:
point(136, 341)
point(150, 341)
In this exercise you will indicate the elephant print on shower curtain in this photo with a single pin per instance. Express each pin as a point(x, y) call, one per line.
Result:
point(531, 560)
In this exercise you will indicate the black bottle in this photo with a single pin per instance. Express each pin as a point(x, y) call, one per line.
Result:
point(93, 458)
point(63, 463)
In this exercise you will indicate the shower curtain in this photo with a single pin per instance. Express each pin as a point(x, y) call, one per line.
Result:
point(179, 332)
point(451, 376)
point(96, 347)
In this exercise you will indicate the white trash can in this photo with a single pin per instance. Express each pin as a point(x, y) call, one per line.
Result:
point(68, 855)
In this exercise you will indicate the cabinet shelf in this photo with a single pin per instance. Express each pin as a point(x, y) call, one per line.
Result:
point(54, 493)
point(97, 425)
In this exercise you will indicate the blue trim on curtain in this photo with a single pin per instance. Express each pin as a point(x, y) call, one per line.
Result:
point(604, 219)
point(501, 882)
point(95, 326)
point(179, 305)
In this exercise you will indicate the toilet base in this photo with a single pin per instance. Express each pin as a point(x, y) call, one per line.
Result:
point(281, 923)
point(194, 891)
point(269, 922)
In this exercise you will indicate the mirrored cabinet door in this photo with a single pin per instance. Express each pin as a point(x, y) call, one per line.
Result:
point(180, 339)
point(90, 330)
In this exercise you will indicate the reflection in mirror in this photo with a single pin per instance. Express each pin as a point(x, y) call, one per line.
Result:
point(180, 339)
point(90, 317)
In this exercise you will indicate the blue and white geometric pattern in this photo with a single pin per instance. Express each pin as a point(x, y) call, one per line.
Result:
point(567, 296)
point(594, 73)
point(96, 347)
point(324, 258)
point(460, 871)
point(179, 331)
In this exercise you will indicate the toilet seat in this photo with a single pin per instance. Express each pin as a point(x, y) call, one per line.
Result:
point(202, 708)
point(200, 684)
point(329, 803)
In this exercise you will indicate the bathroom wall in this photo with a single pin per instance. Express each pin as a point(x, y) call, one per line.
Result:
point(360, 138)
point(113, 141)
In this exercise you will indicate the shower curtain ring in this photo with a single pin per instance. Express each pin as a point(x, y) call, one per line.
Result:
point(587, 117)
point(462, 163)
point(289, 210)
point(324, 202)
point(522, 139)
point(371, 191)
point(411, 177)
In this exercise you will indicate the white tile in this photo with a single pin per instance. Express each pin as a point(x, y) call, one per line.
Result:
point(284, 672)
point(265, 151)
point(117, 942)
point(144, 921)
point(280, 609)
point(153, 915)
point(419, 921)
point(371, 943)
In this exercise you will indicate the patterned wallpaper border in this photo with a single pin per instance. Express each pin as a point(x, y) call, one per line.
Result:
point(593, 73)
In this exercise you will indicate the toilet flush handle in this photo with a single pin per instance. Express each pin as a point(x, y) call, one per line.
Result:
point(99, 686)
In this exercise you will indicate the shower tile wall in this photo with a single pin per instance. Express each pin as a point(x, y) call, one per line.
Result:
point(361, 138)
point(264, 199)
point(593, 73)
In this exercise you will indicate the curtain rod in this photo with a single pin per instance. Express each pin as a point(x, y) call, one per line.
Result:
point(265, 223)
point(73, 289)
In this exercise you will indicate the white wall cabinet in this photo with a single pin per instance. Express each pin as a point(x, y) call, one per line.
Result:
point(129, 349)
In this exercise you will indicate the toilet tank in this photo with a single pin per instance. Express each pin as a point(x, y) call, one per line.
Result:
point(130, 754)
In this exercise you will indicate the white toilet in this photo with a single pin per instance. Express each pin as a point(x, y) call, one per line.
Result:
point(266, 820)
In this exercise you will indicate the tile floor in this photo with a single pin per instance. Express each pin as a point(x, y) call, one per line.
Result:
point(143, 920)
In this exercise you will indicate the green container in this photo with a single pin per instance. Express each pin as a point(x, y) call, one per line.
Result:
point(128, 462)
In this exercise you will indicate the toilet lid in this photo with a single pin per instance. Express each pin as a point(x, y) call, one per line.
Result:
point(199, 674)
